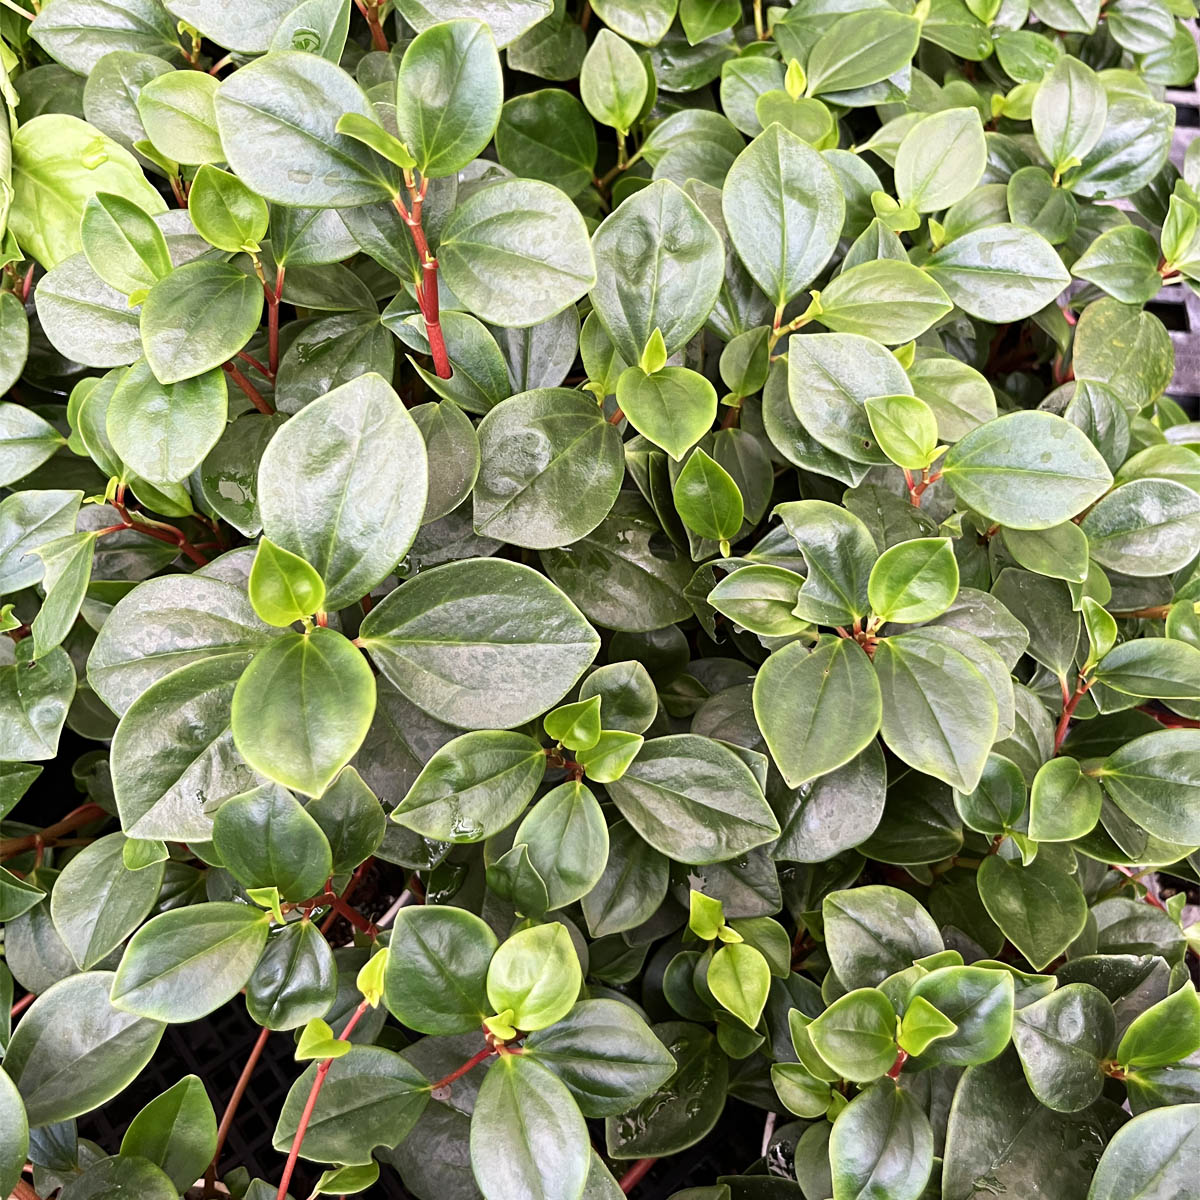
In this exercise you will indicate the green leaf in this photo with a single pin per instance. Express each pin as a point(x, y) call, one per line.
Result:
point(295, 981)
point(784, 212)
point(645, 22)
point(357, 443)
point(507, 21)
point(1063, 1040)
point(707, 498)
point(673, 408)
point(371, 133)
point(1061, 552)
point(97, 902)
point(16, 895)
point(847, 56)
point(1069, 112)
point(928, 687)
point(506, 639)
point(979, 1001)
point(473, 786)
point(449, 93)
point(302, 708)
point(999, 273)
point(905, 428)
point(58, 163)
point(78, 34)
point(693, 800)
point(611, 756)
point(940, 160)
point(1155, 1152)
point(278, 123)
point(739, 980)
point(1027, 470)
point(86, 319)
point(817, 710)
point(14, 1143)
point(283, 588)
point(801, 1093)
point(1155, 780)
point(856, 1035)
point(605, 1054)
point(914, 581)
point(178, 115)
point(839, 552)
point(527, 1135)
point(123, 244)
point(1146, 527)
point(881, 1145)
point(112, 1176)
point(437, 970)
point(576, 726)
point(34, 697)
point(567, 842)
point(183, 964)
point(177, 1131)
point(226, 213)
point(371, 1098)
point(921, 1026)
point(26, 440)
point(29, 520)
point(659, 265)
point(535, 975)
point(1064, 804)
point(64, 1066)
point(163, 432)
point(173, 755)
point(874, 931)
point(562, 492)
point(549, 135)
point(196, 318)
point(760, 599)
point(266, 839)
point(830, 378)
point(612, 81)
point(347, 1180)
point(1124, 262)
point(68, 572)
point(886, 300)
point(316, 1041)
point(1038, 907)
point(1161, 668)
point(497, 259)
point(1165, 1033)
point(996, 805)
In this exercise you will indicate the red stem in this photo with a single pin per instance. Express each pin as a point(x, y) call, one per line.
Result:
point(311, 1104)
point(263, 370)
point(159, 530)
point(252, 393)
point(273, 299)
point(1150, 897)
point(469, 1065)
point(635, 1174)
point(83, 815)
point(1064, 722)
point(355, 880)
point(1168, 719)
point(427, 289)
point(22, 1004)
point(898, 1065)
point(210, 1176)
point(371, 13)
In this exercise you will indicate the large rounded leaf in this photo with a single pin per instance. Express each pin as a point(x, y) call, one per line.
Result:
point(1027, 470)
point(278, 116)
point(516, 253)
point(527, 1135)
point(187, 962)
point(73, 1051)
point(694, 800)
point(784, 211)
point(343, 485)
point(551, 467)
point(302, 708)
point(480, 644)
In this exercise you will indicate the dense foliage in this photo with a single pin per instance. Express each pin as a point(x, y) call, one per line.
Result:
point(701, 541)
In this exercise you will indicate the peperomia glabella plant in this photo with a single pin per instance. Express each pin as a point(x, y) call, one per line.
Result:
point(584, 560)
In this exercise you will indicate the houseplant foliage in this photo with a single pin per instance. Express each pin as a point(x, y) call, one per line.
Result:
point(683, 499)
